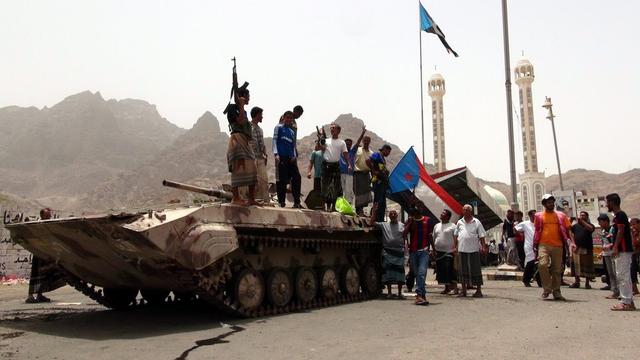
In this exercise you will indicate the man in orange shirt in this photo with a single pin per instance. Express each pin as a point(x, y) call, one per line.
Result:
point(552, 233)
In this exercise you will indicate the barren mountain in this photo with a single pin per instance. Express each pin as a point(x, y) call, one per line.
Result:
point(66, 150)
point(89, 154)
point(199, 157)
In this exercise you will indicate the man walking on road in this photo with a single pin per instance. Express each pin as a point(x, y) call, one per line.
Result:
point(552, 233)
point(527, 229)
point(420, 229)
point(583, 258)
point(469, 241)
point(622, 252)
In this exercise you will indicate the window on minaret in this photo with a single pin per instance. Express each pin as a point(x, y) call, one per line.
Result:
point(538, 192)
point(525, 197)
point(529, 101)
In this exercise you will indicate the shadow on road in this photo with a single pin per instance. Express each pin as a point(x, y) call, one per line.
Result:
point(103, 324)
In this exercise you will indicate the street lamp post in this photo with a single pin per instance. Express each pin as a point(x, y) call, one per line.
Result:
point(549, 106)
point(507, 84)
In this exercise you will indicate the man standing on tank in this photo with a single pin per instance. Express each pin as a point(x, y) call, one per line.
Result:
point(286, 161)
point(260, 153)
point(334, 149)
point(380, 179)
point(240, 157)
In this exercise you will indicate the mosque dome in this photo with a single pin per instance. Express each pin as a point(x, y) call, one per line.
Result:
point(436, 76)
point(498, 197)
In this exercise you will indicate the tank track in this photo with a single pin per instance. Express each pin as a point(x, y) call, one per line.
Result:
point(216, 295)
point(210, 285)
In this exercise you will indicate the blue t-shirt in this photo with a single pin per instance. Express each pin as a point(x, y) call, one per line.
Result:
point(344, 168)
point(379, 163)
point(286, 142)
point(316, 157)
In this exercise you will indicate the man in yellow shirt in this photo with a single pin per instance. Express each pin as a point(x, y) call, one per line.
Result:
point(552, 233)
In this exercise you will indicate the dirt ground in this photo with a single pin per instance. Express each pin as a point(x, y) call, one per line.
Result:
point(510, 322)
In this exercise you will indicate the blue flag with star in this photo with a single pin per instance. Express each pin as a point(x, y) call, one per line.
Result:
point(406, 174)
point(427, 24)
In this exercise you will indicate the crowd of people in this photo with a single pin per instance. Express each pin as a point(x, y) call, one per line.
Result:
point(538, 245)
point(339, 168)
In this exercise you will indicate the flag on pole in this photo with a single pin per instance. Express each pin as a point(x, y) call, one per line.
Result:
point(411, 185)
point(427, 24)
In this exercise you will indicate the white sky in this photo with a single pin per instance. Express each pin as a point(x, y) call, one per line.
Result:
point(349, 56)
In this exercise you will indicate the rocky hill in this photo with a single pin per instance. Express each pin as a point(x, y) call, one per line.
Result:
point(91, 154)
point(198, 157)
point(55, 154)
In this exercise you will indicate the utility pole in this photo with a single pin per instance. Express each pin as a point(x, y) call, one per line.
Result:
point(507, 84)
point(549, 106)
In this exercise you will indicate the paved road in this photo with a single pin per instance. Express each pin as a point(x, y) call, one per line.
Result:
point(510, 322)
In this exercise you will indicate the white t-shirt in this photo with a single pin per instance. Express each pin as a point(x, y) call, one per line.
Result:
point(528, 229)
point(469, 234)
point(335, 148)
point(443, 236)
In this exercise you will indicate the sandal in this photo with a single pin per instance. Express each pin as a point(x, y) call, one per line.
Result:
point(477, 295)
point(575, 286)
point(612, 297)
point(623, 307)
point(461, 294)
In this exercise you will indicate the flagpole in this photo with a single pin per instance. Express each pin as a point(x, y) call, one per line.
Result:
point(507, 84)
point(421, 94)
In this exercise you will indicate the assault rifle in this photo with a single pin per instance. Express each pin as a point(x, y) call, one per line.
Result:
point(322, 136)
point(234, 87)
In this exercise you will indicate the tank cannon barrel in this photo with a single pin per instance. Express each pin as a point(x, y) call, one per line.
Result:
point(197, 189)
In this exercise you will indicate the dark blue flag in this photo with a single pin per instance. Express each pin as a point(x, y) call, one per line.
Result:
point(406, 174)
point(427, 24)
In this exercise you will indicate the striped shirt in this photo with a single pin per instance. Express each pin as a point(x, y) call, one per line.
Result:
point(420, 233)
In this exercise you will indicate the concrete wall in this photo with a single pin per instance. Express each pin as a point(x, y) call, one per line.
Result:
point(15, 262)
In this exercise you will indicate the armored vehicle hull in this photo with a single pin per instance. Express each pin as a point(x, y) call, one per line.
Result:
point(250, 261)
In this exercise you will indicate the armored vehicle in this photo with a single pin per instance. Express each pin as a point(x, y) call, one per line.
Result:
point(250, 261)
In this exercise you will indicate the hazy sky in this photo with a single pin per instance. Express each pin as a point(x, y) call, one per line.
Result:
point(348, 56)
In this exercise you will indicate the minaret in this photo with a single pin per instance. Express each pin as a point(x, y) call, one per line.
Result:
point(531, 182)
point(437, 91)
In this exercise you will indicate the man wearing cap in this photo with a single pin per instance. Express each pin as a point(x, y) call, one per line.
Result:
point(380, 179)
point(552, 233)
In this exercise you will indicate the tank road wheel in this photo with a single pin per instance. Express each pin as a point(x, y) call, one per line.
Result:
point(279, 289)
point(119, 298)
point(328, 283)
point(371, 280)
point(249, 289)
point(306, 285)
point(154, 297)
point(350, 281)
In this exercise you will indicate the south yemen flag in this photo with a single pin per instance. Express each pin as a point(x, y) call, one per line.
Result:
point(411, 186)
point(427, 24)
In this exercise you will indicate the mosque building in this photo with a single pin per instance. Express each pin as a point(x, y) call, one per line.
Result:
point(532, 185)
point(436, 91)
